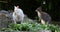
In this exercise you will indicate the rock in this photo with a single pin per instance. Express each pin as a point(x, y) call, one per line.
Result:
point(4, 11)
point(4, 20)
point(8, 14)
point(27, 19)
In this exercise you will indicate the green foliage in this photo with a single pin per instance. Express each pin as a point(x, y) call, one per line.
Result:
point(31, 27)
point(53, 28)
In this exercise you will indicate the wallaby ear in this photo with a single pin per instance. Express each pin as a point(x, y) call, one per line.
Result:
point(14, 6)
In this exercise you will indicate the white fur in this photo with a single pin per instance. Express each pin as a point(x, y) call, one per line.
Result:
point(18, 13)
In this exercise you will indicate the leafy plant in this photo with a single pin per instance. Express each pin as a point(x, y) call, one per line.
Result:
point(34, 27)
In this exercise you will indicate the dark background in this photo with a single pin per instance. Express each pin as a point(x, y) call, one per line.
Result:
point(52, 7)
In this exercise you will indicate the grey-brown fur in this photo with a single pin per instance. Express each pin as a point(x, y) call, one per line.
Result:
point(43, 15)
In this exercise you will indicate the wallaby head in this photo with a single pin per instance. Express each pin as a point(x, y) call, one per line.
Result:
point(39, 9)
point(16, 7)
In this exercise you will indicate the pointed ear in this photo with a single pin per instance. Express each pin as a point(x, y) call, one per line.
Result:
point(15, 7)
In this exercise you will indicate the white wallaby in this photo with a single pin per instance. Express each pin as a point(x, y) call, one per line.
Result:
point(18, 14)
